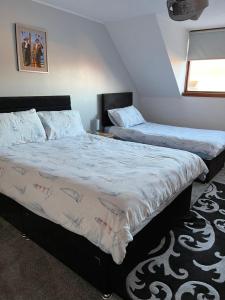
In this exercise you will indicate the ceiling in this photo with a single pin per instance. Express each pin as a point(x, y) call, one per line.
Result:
point(113, 10)
point(108, 10)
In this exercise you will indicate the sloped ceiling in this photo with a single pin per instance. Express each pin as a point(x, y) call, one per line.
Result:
point(176, 42)
point(152, 47)
point(143, 50)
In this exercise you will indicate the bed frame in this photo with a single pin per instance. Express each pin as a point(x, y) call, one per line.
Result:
point(120, 100)
point(74, 250)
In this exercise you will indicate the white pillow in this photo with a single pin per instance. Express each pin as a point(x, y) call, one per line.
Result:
point(126, 117)
point(59, 124)
point(20, 128)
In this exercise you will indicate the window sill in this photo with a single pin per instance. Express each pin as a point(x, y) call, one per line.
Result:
point(204, 94)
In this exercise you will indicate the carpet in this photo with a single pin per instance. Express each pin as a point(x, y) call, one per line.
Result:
point(186, 264)
point(27, 272)
point(189, 262)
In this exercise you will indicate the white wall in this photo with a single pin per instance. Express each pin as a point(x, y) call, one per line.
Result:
point(141, 46)
point(198, 112)
point(176, 42)
point(83, 60)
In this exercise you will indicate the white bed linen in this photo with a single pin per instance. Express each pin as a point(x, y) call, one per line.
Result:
point(125, 117)
point(61, 124)
point(205, 143)
point(103, 189)
point(20, 128)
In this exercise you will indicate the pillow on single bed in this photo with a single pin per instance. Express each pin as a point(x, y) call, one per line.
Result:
point(60, 124)
point(126, 117)
point(20, 128)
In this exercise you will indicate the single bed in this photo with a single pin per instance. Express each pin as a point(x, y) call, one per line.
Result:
point(208, 144)
point(41, 190)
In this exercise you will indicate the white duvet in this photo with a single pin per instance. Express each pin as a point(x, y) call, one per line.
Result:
point(205, 143)
point(100, 188)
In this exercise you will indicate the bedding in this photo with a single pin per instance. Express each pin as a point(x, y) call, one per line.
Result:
point(60, 124)
point(21, 127)
point(205, 143)
point(103, 189)
point(125, 117)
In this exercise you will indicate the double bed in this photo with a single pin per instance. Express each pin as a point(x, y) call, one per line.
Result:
point(208, 144)
point(90, 201)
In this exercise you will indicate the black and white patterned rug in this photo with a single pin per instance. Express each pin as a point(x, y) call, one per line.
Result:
point(189, 262)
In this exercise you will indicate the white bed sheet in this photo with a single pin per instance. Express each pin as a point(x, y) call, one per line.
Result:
point(205, 143)
point(100, 188)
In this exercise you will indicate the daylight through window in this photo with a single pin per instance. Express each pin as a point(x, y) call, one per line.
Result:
point(206, 63)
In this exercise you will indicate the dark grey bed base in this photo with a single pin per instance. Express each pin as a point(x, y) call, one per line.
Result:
point(120, 100)
point(75, 251)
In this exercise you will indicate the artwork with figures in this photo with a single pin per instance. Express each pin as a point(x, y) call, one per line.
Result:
point(31, 49)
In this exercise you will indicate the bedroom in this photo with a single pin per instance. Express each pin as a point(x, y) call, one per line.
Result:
point(91, 52)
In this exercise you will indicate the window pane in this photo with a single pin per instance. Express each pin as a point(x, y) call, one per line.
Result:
point(207, 75)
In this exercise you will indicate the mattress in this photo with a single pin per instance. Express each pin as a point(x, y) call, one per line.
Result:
point(103, 189)
point(205, 143)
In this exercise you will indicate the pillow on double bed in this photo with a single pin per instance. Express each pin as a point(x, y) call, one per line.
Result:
point(60, 124)
point(125, 117)
point(20, 128)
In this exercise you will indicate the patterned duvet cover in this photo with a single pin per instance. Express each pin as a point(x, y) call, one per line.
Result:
point(103, 189)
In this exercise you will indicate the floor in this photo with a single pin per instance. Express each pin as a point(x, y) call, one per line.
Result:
point(27, 272)
point(198, 188)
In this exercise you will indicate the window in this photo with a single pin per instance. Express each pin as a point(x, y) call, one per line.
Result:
point(206, 63)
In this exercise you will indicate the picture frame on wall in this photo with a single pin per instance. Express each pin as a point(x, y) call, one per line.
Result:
point(31, 44)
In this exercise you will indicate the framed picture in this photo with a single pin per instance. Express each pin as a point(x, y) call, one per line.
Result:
point(31, 49)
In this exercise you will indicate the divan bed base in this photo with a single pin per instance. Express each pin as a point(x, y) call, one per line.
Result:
point(214, 165)
point(81, 255)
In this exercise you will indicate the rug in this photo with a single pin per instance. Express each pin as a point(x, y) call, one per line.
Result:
point(189, 262)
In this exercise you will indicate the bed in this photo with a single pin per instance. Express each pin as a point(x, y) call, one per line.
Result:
point(35, 173)
point(208, 144)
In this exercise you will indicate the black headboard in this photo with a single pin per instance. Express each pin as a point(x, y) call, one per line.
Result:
point(115, 100)
point(12, 104)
